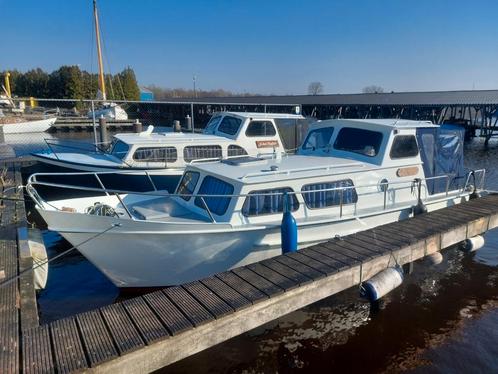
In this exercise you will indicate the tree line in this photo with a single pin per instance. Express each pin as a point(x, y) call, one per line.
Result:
point(70, 82)
point(161, 93)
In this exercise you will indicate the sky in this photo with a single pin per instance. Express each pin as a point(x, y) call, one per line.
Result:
point(265, 47)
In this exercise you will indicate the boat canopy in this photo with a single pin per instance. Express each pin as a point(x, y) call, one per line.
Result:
point(441, 150)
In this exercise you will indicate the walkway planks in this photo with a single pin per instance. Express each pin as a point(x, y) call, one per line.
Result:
point(148, 332)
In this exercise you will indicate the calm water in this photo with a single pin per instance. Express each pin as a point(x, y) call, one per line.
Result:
point(442, 319)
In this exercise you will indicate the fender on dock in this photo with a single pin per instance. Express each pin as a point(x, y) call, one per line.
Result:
point(434, 258)
point(288, 228)
point(382, 283)
point(473, 244)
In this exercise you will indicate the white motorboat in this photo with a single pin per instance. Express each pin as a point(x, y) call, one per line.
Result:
point(228, 213)
point(165, 155)
point(19, 125)
point(110, 111)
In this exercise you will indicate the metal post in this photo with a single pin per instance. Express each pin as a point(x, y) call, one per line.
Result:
point(340, 203)
point(94, 127)
point(192, 116)
point(103, 130)
point(137, 126)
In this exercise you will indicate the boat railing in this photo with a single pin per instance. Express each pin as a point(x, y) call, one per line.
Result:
point(72, 145)
point(474, 181)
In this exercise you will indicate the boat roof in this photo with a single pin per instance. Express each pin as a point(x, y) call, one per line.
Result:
point(249, 170)
point(172, 138)
point(259, 115)
point(390, 123)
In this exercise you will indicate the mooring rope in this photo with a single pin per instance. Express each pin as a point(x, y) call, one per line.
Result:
point(33, 268)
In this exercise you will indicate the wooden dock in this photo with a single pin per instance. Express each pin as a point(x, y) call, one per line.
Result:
point(85, 124)
point(18, 308)
point(149, 332)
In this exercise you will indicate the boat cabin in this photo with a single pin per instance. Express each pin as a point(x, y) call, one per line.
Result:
point(227, 134)
point(368, 164)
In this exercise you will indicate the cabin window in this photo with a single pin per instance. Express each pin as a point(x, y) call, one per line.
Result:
point(319, 138)
point(230, 125)
point(156, 154)
point(268, 202)
point(214, 186)
point(235, 150)
point(260, 128)
point(187, 185)
point(364, 142)
point(211, 126)
point(119, 149)
point(197, 152)
point(323, 195)
point(404, 146)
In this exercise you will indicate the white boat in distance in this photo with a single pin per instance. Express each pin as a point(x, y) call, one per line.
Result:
point(21, 126)
point(228, 213)
point(164, 156)
point(110, 111)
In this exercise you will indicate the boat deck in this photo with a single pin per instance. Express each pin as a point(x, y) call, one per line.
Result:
point(154, 330)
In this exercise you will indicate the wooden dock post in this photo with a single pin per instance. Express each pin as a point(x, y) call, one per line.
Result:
point(103, 130)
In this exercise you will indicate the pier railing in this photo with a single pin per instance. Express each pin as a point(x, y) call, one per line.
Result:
point(474, 181)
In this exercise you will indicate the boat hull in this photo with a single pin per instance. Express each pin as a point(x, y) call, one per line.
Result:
point(28, 126)
point(154, 254)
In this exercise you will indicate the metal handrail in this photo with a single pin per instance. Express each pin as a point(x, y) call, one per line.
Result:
point(32, 180)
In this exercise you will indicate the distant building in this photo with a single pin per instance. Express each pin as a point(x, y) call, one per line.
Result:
point(146, 95)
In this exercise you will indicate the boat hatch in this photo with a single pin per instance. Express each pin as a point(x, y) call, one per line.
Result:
point(241, 161)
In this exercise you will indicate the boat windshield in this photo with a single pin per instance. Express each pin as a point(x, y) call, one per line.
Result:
point(212, 124)
point(187, 185)
point(319, 138)
point(364, 142)
point(119, 149)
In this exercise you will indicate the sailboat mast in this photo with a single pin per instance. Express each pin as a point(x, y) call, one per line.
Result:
point(99, 51)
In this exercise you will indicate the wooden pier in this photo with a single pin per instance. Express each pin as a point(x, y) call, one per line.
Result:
point(18, 308)
point(149, 332)
point(85, 124)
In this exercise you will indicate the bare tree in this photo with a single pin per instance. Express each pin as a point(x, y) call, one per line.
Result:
point(373, 89)
point(315, 88)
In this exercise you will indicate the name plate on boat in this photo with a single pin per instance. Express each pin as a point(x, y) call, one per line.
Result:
point(406, 172)
point(266, 143)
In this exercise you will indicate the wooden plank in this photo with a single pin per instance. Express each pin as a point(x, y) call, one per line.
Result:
point(9, 339)
point(300, 267)
point(208, 299)
point(408, 236)
point(311, 262)
point(37, 352)
point(227, 293)
point(316, 254)
point(149, 326)
point(246, 289)
point(287, 271)
point(68, 351)
point(124, 334)
point(280, 280)
point(390, 243)
point(341, 253)
point(168, 313)
point(96, 339)
point(360, 247)
point(257, 281)
point(194, 311)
